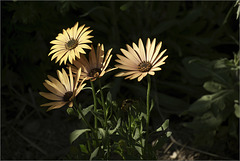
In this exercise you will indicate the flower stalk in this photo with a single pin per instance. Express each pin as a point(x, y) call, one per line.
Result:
point(95, 104)
point(105, 116)
point(148, 109)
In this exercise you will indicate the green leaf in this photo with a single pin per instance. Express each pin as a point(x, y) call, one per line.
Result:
point(139, 149)
point(109, 85)
point(117, 126)
point(221, 63)
point(94, 153)
point(206, 102)
point(237, 110)
point(99, 101)
point(169, 133)
point(101, 133)
point(85, 111)
point(137, 134)
point(98, 115)
point(163, 26)
point(152, 104)
point(164, 126)
point(76, 133)
point(83, 148)
point(199, 68)
point(143, 115)
point(109, 97)
point(218, 106)
point(205, 122)
point(158, 144)
point(125, 6)
point(238, 10)
point(212, 86)
point(87, 88)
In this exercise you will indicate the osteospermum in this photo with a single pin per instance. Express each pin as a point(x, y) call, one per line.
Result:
point(137, 62)
point(70, 44)
point(96, 66)
point(64, 91)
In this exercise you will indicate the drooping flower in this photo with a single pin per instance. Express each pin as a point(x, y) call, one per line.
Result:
point(70, 44)
point(137, 62)
point(64, 91)
point(96, 66)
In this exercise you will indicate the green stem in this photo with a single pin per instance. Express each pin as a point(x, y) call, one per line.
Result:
point(129, 124)
point(95, 104)
point(88, 143)
point(103, 104)
point(148, 109)
point(105, 116)
point(79, 111)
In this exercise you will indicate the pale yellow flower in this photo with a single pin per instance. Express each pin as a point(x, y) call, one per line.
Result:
point(70, 44)
point(96, 66)
point(64, 91)
point(137, 62)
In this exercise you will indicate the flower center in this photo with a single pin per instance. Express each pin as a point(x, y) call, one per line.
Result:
point(94, 72)
point(144, 66)
point(71, 44)
point(67, 96)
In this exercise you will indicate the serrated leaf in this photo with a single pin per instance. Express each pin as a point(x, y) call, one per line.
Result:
point(94, 153)
point(76, 133)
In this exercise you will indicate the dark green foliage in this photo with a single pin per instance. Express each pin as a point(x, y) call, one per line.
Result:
point(199, 82)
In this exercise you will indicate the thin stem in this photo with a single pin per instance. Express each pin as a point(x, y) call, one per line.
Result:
point(105, 116)
point(103, 103)
point(148, 110)
point(79, 111)
point(75, 107)
point(88, 142)
point(95, 104)
point(129, 124)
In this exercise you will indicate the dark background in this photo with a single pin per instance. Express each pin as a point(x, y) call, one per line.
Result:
point(203, 31)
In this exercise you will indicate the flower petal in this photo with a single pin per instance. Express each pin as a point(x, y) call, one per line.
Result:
point(50, 96)
point(57, 105)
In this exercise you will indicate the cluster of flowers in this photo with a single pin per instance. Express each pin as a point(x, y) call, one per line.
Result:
point(137, 62)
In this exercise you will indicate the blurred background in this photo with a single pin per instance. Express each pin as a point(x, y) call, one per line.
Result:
point(197, 89)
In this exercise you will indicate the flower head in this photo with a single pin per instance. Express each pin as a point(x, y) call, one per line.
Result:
point(70, 44)
point(63, 91)
point(138, 61)
point(96, 66)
